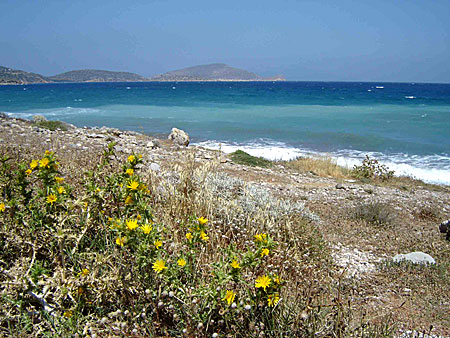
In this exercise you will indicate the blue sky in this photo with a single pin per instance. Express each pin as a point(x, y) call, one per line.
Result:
point(395, 40)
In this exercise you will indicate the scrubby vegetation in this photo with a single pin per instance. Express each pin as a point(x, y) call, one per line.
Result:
point(372, 169)
point(241, 157)
point(374, 213)
point(324, 167)
point(51, 125)
point(123, 252)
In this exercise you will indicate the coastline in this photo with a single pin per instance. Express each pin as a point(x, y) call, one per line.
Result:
point(357, 248)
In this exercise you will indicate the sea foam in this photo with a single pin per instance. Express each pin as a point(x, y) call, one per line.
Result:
point(430, 169)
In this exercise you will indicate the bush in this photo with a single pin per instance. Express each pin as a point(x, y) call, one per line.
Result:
point(372, 169)
point(374, 213)
point(241, 157)
point(51, 125)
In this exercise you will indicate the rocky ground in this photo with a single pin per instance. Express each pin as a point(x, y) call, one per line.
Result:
point(417, 296)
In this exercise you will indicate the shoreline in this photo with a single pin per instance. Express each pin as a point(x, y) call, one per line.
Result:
point(403, 165)
point(357, 248)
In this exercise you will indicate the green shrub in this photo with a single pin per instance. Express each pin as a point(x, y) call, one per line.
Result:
point(372, 169)
point(51, 125)
point(241, 157)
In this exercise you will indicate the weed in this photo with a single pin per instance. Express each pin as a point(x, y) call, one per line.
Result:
point(374, 213)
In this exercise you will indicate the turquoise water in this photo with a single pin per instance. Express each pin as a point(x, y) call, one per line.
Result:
point(404, 125)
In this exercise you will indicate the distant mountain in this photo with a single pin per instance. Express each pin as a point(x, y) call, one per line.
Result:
point(93, 75)
point(212, 72)
point(14, 76)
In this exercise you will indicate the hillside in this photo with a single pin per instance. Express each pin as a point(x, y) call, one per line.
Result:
point(93, 75)
point(212, 72)
point(15, 76)
point(95, 238)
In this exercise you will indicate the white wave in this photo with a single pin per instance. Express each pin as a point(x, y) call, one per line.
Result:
point(410, 97)
point(55, 113)
point(276, 151)
point(430, 169)
point(379, 87)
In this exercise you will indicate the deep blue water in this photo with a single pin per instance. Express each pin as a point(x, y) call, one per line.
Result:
point(405, 125)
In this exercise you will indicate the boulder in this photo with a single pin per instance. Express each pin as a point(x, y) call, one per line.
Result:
point(416, 257)
point(444, 227)
point(179, 137)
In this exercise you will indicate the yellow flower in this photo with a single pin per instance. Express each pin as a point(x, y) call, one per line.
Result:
point(229, 297)
point(84, 272)
point(44, 162)
point(34, 164)
point(262, 282)
point(272, 300)
point(264, 252)
point(204, 236)
point(235, 265)
point(158, 244)
point(181, 262)
point(68, 314)
point(131, 224)
point(159, 266)
point(276, 279)
point(48, 152)
point(59, 179)
point(121, 240)
point(128, 200)
point(28, 171)
point(51, 199)
point(146, 228)
point(2, 207)
point(139, 217)
point(189, 236)
point(202, 220)
point(133, 185)
point(61, 190)
point(131, 158)
point(130, 172)
point(260, 237)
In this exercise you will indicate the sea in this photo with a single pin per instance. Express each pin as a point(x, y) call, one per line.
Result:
point(405, 126)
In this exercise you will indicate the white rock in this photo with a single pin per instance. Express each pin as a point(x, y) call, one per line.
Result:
point(416, 257)
point(179, 137)
point(155, 167)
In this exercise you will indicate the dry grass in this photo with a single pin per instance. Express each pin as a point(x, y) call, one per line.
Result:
point(323, 167)
point(48, 263)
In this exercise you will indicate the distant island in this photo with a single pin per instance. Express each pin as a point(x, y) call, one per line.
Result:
point(93, 75)
point(14, 76)
point(211, 72)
